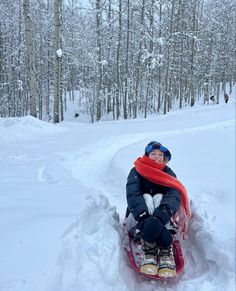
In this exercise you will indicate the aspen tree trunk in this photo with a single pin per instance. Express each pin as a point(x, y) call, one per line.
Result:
point(131, 88)
point(170, 91)
point(57, 65)
point(92, 101)
point(20, 103)
point(109, 85)
point(223, 69)
point(230, 86)
point(1, 71)
point(170, 65)
point(72, 65)
point(47, 101)
point(167, 77)
point(181, 18)
point(217, 93)
point(138, 66)
point(99, 61)
point(40, 83)
point(150, 59)
point(160, 53)
point(127, 62)
point(1, 57)
point(30, 59)
point(118, 63)
point(208, 66)
point(193, 55)
point(61, 104)
point(132, 50)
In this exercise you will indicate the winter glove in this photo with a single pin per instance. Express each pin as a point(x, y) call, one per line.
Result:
point(163, 214)
point(141, 220)
point(151, 229)
point(143, 216)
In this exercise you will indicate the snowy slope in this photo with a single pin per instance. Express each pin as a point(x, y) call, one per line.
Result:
point(62, 200)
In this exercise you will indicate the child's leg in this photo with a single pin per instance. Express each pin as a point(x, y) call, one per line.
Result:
point(149, 202)
point(157, 200)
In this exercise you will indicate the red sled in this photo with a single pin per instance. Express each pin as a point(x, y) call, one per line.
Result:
point(134, 252)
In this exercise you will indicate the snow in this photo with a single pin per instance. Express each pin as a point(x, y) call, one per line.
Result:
point(59, 53)
point(62, 200)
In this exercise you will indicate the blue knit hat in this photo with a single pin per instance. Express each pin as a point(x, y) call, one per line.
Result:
point(153, 145)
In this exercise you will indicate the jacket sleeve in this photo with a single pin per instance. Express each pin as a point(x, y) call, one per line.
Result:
point(135, 199)
point(171, 199)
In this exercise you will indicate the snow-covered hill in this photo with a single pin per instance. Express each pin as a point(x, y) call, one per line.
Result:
point(62, 200)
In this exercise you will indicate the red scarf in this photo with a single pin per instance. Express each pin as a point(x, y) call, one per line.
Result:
point(153, 172)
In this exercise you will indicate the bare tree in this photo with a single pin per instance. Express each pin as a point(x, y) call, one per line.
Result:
point(118, 65)
point(57, 66)
point(99, 60)
point(30, 59)
point(138, 63)
point(124, 57)
point(160, 61)
point(168, 61)
point(193, 51)
point(127, 77)
point(149, 90)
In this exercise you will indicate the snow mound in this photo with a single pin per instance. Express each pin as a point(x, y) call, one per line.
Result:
point(84, 261)
point(28, 121)
point(206, 260)
point(24, 128)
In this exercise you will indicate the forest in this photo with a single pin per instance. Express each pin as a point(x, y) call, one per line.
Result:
point(125, 58)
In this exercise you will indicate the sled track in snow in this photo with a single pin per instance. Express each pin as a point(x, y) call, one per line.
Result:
point(204, 270)
point(99, 155)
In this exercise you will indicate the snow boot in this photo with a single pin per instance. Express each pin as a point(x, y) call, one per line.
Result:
point(149, 258)
point(167, 268)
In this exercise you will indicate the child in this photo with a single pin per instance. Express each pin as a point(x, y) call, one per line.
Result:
point(151, 206)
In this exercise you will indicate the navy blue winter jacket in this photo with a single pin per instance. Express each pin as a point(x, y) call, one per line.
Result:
point(137, 186)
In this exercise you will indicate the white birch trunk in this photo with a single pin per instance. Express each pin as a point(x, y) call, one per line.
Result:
point(30, 59)
point(57, 65)
point(99, 61)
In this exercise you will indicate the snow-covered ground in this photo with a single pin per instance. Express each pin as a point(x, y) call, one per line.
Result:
point(62, 200)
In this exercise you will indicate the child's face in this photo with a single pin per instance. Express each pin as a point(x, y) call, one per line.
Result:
point(157, 156)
